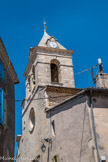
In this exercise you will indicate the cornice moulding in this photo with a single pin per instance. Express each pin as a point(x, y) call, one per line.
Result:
point(38, 49)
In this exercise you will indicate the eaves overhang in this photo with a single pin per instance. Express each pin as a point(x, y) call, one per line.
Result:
point(86, 91)
point(7, 63)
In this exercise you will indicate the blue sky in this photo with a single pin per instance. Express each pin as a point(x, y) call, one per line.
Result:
point(79, 25)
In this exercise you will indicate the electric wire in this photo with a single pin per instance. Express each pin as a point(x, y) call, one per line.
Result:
point(86, 70)
point(44, 98)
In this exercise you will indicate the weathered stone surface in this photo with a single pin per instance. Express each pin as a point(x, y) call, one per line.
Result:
point(100, 104)
point(9, 117)
point(7, 132)
point(72, 131)
point(41, 57)
point(102, 80)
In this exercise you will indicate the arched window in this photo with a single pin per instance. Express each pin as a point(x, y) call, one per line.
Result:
point(54, 71)
point(1, 107)
point(1, 70)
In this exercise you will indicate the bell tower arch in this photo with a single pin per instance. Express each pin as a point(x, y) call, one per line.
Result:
point(55, 71)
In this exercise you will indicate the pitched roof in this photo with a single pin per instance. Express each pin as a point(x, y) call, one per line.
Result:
point(80, 93)
point(44, 47)
point(45, 38)
point(7, 63)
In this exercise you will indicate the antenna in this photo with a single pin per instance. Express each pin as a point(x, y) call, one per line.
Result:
point(92, 76)
point(100, 65)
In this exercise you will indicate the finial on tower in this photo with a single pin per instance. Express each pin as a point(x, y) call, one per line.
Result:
point(45, 27)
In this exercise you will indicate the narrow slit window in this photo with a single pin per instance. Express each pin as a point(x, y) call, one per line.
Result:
point(33, 73)
point(28, 83)
point(53, 128)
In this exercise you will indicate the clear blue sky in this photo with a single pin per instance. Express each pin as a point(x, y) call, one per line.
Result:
point(79, 25)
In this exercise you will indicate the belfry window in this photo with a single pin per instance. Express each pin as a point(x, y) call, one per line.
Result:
point(1, 70)
point(54, 71)
point(1, 107)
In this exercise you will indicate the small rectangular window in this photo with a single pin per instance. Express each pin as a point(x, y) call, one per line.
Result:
point(28, 84)
point(53, 128)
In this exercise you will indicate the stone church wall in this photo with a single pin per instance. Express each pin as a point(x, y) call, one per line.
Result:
point(72, 138)
point(100, 104)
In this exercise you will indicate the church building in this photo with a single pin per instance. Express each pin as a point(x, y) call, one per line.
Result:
point(57, 118)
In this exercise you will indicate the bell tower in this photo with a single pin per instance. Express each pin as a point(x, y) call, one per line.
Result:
point(49, 64)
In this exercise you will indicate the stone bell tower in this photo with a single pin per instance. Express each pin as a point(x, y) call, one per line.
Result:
point(49, 72)
point(49, 64)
